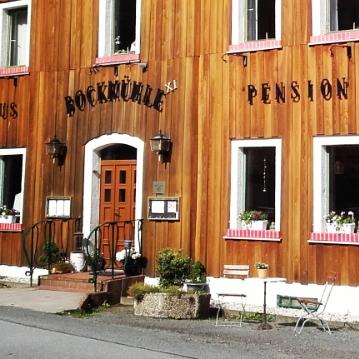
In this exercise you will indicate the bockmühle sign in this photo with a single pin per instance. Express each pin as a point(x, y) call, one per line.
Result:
point(119, 90)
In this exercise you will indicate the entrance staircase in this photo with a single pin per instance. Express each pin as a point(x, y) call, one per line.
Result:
point(112, 290)
point(52, 240)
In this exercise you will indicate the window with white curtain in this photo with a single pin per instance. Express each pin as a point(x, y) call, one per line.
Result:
point(12, 175)
point(15, 33)
point(256, 179)
point(119, 27)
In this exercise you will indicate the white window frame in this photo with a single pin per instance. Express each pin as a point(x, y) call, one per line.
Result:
point(321, 175)
point(4, 46)
point(237, 204)
point(103, 5)
point(239, 24)
point(321, 32)
point(12, 152)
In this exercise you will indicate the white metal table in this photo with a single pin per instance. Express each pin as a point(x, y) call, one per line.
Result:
point(265, 325)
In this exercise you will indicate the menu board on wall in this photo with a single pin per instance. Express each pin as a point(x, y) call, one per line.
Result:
point(163, 208)
point(58, 207)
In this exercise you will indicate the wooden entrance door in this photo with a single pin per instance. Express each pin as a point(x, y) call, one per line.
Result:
point(117, 201)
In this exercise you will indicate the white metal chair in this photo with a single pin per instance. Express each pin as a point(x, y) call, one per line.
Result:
point(313, 309)
point(235, 271)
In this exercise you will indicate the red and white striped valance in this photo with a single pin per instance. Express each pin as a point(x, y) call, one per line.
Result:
point(255, 45)
point(334, 238)
point(14, 71)
point(10, 227)
point(333, 37)
point(251, 234)
point(117, 59)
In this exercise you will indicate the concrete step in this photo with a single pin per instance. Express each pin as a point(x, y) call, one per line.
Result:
point(50, 283)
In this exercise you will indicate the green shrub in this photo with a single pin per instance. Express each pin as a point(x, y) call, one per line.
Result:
point(51, 253)
point(173, 267)
point(173, 290)
point(138, 290)
point(198, 273)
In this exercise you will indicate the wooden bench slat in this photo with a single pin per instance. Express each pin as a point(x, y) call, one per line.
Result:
point(240, 270)
point(236, 266)
point(235, 272)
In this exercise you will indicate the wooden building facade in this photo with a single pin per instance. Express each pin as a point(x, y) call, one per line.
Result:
point(262, 113)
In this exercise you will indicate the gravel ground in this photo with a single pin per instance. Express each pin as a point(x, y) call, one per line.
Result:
point(279, 342)
point(248, 341)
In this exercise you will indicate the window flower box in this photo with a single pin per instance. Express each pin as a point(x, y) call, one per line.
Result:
point(4, 218)
point(255, 225)
point(253, 220)
point(342, 228)
point(339, 223)
point(7, 215)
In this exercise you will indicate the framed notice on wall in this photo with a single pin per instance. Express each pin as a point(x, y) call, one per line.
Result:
point(58, 207)
point(163, 208)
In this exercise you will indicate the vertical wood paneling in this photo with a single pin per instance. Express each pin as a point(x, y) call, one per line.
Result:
point(186, 41)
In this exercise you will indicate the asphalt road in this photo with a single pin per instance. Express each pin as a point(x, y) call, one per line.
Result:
point(116, 333)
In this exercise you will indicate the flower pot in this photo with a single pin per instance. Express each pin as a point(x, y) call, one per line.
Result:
point(262, 272)
point(7, 218)
point(348, 227)
point(204, 287)
point(342, 228)
point(255, 225)
point(77, 259)
point(131, 269)
point(331, 228)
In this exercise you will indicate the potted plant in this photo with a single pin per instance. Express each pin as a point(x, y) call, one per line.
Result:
point(7, 215)
point(253, 219)
point(262, 269)
point(197, 279)
point(95, 262)
point(132, 261)
point(339, 223)
point(173, 267)
point(51, 254)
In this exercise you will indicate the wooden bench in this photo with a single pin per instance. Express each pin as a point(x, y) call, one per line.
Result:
point(238, 271)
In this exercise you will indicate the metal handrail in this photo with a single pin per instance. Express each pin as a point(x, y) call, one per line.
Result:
point(92, 244)
point(43, 233)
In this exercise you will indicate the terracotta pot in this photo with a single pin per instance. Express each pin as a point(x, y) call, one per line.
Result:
point(262, 272)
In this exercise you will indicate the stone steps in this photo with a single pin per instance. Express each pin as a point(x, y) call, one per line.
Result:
point(111, 289)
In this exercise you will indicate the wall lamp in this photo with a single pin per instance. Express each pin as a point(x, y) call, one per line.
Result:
point(56, 150)
point(161, 145)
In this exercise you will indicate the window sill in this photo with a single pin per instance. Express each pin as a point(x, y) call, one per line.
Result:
point(334, 238)
point(117, 59)
point(10, 227)
point(334, 37)
point(253, 235)
point(14, 71)
point(259, 45)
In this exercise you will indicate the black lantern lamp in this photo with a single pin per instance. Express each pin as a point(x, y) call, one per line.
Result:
point(56, 149)
point(161, 145)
